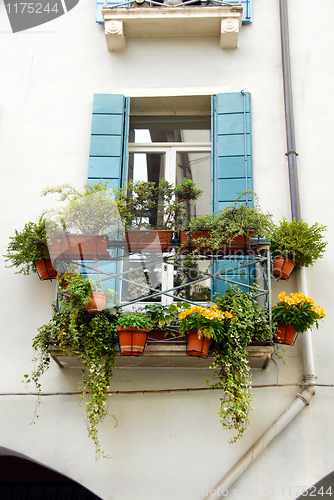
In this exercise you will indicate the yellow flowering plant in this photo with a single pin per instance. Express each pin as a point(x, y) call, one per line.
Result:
point(209, 322)
point(298, 310)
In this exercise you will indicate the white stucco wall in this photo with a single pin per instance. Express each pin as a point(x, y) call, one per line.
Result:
point(166, 446)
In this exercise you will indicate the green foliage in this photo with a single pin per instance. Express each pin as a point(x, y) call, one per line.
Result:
point(172, 202)
point(91, 337)
point(135, 320)
point(298, 241)
point(140, 202)
point(27, 247)
point(95, 210)
point(231, 367)
point(232, 221)
point(141, 198)
point(161, 316)
point(297, 310)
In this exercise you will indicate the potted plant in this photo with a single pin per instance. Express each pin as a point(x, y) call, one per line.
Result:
point(230, 365)
point(200, 325)
point(295, 314)
point(164, 322)
point(91, 338)
point(73, 286)
point(170, 204)
point(294, 245)
point(28, 251)
point(85, 222)
point(228, 230)
point(132, 332)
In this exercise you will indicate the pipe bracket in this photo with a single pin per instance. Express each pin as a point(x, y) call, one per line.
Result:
point(291, 153)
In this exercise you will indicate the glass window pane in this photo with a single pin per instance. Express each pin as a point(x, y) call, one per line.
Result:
point(196, 166)
point(146, 129)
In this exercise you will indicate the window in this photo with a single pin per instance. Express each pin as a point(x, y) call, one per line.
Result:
point(205, 137)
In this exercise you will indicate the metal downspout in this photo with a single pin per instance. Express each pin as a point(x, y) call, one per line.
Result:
point(304, 398)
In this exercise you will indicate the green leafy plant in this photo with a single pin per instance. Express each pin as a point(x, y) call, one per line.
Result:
point(230, 366)
point(298, 241)
point(161, 316)
point(28, 247)
point(91, 338)
point(135, 320)
point(297, 310)
point(235, 220)
point(97, 209)
point(172, 202)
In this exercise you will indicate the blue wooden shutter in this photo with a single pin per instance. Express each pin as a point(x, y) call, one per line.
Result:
point(108, 160)
point(110, 131)
point(99, 7)
point(232, 170)
point(232, 148)
point(247, 10)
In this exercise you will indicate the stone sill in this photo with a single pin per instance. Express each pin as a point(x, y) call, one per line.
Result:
point(164, 355)
point(222, 21)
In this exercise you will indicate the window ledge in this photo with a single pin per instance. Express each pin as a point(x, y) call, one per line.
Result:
point(222, 21)
point(166, 356)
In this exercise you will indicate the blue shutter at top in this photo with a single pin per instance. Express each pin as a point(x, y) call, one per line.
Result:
point(232, 172)
point(108, 163)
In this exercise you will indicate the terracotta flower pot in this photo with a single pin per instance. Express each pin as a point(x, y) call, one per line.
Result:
point(97, 303)
point(45, 270)
point(198, 346)
point(285, 334)
point(132, 340)
point(80, 246)
point(149, 240)
point(283, 268)
point(239, 243)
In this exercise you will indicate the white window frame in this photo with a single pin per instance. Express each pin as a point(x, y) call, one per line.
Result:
point(170, 149)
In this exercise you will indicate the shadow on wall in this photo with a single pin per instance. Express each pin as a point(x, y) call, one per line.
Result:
point(26, 480)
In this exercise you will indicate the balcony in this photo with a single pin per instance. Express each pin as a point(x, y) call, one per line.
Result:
point(138, 18)
point(166, 355)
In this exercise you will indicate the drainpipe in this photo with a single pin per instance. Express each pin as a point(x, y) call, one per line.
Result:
point(289, 119)
point(304, 398)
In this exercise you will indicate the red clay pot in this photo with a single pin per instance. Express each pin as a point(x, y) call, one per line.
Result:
point(283, 268)
point(149, 240)
point(97, 303)
point(45, 270)
point(132, 340)
point(196, 346)
point(80, 246)
point(239, 243)
point(285, 334)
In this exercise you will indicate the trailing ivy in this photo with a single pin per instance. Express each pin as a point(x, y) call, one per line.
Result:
point(231, 368)
point(91, 337)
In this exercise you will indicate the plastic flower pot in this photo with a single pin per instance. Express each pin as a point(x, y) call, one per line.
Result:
point(283, 268)
point(45, 270)
point(285, 334)
point(132, 340)
point(97, 303)
point(198, 346)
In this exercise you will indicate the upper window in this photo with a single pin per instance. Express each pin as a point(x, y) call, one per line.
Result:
point(203, 18)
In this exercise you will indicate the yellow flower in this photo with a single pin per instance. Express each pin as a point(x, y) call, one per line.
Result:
point(228, 315)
